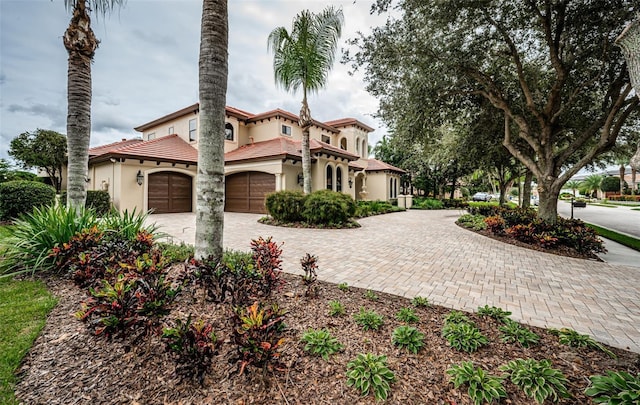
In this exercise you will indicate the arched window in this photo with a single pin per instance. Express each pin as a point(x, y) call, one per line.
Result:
point(228, 132)
point(329, 178)
point(365, 151)
point(390, 188)
point(357, 146)
point(395, 188)
point(343, 143)
point(338, 179)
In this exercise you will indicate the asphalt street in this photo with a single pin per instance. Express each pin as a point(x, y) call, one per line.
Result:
point(620, 219)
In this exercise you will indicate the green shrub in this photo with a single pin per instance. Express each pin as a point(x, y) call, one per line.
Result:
point(427, 204)
point(610, 184)
point(456, 317)
point(98, 200)
point(370, 295)
point(496, 313)
point(475, 222)
point(321, 343)
point(336, 308)
point(368, 208)
point(409, 338)
point(369, 373)
point(285, 206)
point(344, 287)
point(369, 320)
point(486, 209)
point(21, 197)
point(482, 386)
point(326, 207)
point(407, 315)
point(176, 253)
point(464, 337)
point(614, 388)
point(537, 379)
point(129, 224)
point(512, 332)
point(420, 302)
point(572, 338)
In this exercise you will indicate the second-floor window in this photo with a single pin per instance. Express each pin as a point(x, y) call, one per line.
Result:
point(171, 132)
point(193, 129)
point(286, 130)
point(228, 132)
point(326, 139)
point(151, 136)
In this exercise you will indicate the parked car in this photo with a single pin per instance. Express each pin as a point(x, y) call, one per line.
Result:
point(481, 197)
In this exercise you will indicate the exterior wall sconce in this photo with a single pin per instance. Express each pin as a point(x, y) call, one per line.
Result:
point(300, 179)
point(139, 178)
point(350, 182)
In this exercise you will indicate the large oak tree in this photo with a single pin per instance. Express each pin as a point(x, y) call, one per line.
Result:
point(549, 66)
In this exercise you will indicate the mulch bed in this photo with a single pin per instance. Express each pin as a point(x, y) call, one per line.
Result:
point(69, 365)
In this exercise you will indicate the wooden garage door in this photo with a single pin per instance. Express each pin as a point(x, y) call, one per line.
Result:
point(170, 192)
point(245, 192)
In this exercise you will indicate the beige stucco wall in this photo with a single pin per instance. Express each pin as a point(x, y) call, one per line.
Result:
point(378, 185)
point(180, 126)
point(354, 134)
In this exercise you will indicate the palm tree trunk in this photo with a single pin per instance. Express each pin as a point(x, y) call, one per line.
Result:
point(213, 92)
point(81, 44)
point(305, 123)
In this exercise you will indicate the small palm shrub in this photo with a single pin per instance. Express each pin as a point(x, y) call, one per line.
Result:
point(614, 388)
point(336, 308)
point(321, 343)
point(369, 373)
point(512, 332)
point(194, 345)
point(572, 338)
point(21, 197)
point(482, 386)
point(408, 337)
point(368, 320)
point(326, 207)
point(494, 312)
point(420, 302)
point(407, 315)
point(463, 336)
point(285, 206)
point(537, 379)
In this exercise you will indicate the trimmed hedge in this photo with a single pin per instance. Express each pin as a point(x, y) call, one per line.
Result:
point(21, 197)
point(98, 200)
point(326, 207)
point(286, 206)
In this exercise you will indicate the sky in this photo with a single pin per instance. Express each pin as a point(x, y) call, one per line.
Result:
point(146, 65)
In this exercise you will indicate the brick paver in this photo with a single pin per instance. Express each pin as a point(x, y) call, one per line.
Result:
point(425, 253)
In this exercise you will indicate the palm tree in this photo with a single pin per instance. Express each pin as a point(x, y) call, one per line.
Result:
point(214, 41)
point(592, 183)
point(81, 44)
point(573, 185)
point(303, 58)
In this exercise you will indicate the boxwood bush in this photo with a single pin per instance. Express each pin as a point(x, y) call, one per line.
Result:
point(286, 206)
point(21, 197)
point(326, 207)
point(98, 200)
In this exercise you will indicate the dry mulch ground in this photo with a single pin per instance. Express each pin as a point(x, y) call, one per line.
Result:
point(68, 365)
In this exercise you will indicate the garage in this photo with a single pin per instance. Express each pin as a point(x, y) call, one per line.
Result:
point(170, 192)
point(246, 191)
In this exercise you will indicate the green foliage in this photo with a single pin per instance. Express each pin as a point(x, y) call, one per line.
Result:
point(486, 209)
point(369, 208)
point(258, 334)
point(369, 373)
point(344, 287)
point(98, 200)
point(427, 204)
point(537, 379)
point(30, 240)
point(572, 338)
point(336, 308)
point(326, 207)
point(370, 295)
point(129, 224)
point(482, 386)
point(309, 265)
point(494, 312)
point(409, 338)
point(24, 306)
point(456, 317)
point(174, 253)
point(464, 336)
point(21, 197)
point(615, 388)
point(321, 343)
point(513, 332)
point(194, 343)
point(407, 315)
point(610, 183)
point(475, 222)
point(368, 320)
point(285, 206)
point(44, 149)
point(419, 301)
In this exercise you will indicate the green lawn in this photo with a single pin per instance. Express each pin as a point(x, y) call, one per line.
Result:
point(628, 241)
point(24, 306)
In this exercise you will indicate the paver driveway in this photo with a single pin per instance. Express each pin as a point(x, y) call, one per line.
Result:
point(424, 253)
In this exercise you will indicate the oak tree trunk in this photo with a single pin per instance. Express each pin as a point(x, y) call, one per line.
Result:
point(213, 70)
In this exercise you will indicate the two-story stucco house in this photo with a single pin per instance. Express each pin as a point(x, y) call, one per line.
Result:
point(262, 155)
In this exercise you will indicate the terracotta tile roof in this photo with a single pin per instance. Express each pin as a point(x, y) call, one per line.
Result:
point(374, 165)
point(345, 122)
point(166, 149)
point(291, 116)
point(238, 113)
point(102, 149)
point(283, 148)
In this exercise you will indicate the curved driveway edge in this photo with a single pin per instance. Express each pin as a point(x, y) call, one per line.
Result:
point(424, 253)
